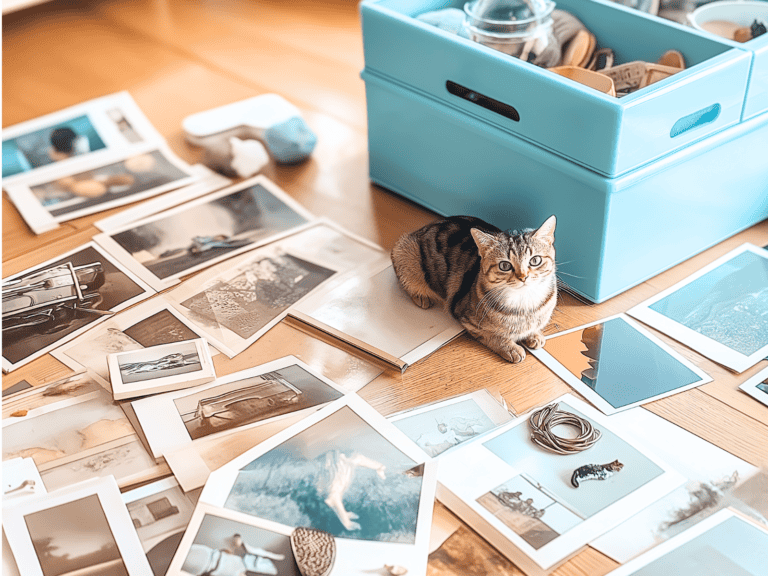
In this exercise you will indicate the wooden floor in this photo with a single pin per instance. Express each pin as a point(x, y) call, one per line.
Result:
point(178, 57)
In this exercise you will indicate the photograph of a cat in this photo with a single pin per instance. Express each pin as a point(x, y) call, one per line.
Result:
point(501, 286)
point(595, 472)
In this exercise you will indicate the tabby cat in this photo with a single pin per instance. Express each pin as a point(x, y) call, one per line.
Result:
point(500, 286)
point(595, 472)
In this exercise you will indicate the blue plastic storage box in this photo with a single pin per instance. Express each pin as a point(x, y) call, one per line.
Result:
point(608, 135)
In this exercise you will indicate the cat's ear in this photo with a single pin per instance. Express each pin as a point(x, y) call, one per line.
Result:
point(546, 231)
point(485, 242)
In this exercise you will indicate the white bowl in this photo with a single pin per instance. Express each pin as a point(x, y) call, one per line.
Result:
point(740, 12)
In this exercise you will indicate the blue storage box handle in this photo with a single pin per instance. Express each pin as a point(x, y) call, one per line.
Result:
point(701, 118)
point(482, 100)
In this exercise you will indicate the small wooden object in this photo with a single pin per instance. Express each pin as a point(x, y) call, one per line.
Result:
point(314, 551)
point(635, 75)
point(578, 51)
point(672, 58)
point(589, 78)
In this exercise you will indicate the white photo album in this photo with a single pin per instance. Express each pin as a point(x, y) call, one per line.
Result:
point(721, 311)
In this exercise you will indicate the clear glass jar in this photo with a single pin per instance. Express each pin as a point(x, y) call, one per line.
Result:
point(520, 28)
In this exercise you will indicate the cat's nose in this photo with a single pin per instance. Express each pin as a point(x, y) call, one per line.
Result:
point(522, 278)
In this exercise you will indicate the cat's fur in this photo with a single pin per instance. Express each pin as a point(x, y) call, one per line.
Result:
point(595, 472)
point(456, 262)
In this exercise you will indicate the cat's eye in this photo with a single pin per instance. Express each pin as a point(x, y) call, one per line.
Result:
point(536, 260)
point(505, 266)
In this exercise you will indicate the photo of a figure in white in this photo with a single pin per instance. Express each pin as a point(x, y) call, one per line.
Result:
point(343, 474)
point(446, 436)
point(239, 559)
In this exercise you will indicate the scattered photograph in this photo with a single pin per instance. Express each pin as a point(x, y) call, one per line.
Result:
point(244, 398)
point(544, 506)
point(19, 386)
point(713, 478)
point(724, 543)
point(160, 513)
point(82, 531)
point(200, 233)
point(75, 538)
point(151, 323)
point(21, 481)
point(97, 185)
point(71, 386)
point(616, 364)
point(357, 309)
point(525, 507)
point(464, 553)
point(160, 369)
point(237, 301)
point(53, 302)
point(339, 475)
point(757, 386)
point(243, 548)
point(721, 311)
point(207, 181)
point(110, 122)
point(438, 427)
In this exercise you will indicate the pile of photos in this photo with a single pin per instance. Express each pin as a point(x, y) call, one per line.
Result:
point(143, 461)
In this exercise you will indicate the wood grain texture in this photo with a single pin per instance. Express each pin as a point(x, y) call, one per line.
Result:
point(178, 57)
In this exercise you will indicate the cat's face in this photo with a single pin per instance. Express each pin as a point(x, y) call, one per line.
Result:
point(615, 465)
point(521, 261)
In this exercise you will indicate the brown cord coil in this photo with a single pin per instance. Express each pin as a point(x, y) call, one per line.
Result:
point(542, 421)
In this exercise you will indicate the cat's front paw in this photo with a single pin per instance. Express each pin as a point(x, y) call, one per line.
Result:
point(535, 341)
point(512, 353)
point(421, 301)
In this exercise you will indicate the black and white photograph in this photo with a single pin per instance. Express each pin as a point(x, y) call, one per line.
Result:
point(357, 309)
point(160, 369)
point(724, 543)
point(593, 359)
point(543, 505)
point(757, 386)
point(51, 303)
point(160, 512)
point(237, 301)
point(721, 311)
point(150, 323)
point(255, 395)
point(233, 547)
point(88, 187)
point(525, 507)
point(84, 130)
point(51, 392)
point(438, 427)
point(84, 531)
point(200, 233)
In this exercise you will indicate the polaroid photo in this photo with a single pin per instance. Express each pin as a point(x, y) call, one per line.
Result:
point(91, 129)
point(53, 302)
point(207, 181)
point(235, 302)
point(757, 386)
point(344, 470)
point(195, 235)
point(92, 185)
point(245, 545)
point(724, 543)
point(713, 475)
point(248, 398)
point(463, 552)
point(617, 364)
point(76, 438)
point(440, 426)
point(70, 386)
point(157, 369)
point(150, 323)
point(721, 311)
point(86, 530)
point(160, 513)
point(358, 309)
point(523, 499)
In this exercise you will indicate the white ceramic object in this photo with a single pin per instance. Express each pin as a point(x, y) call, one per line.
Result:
point(740, 12)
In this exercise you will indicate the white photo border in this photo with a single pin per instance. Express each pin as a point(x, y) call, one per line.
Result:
point(704, 345)
point(551, 362)
point(750, 386)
